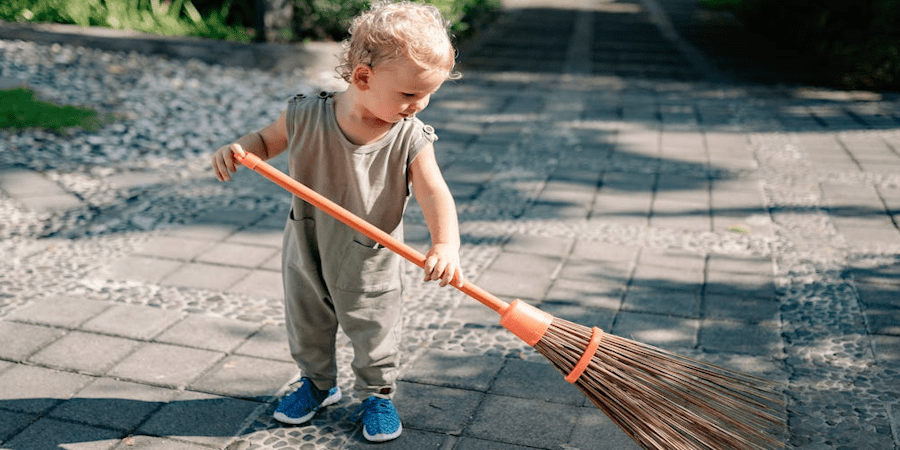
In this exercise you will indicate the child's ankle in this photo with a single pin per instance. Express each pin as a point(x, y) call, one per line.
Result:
point(317, 393)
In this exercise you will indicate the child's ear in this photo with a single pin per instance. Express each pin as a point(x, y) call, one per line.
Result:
point(362, 76)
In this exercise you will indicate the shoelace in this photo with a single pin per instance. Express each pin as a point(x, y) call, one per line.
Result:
point(371, 405)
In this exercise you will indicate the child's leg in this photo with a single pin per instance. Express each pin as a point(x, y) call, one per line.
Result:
point(309, 313)
point(373, 322)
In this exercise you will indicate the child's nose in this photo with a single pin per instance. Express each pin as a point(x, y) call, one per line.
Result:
point(420, 104)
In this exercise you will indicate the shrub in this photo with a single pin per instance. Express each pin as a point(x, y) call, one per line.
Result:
point(859, 39)
point(325, 19)
point(467, 16)
point(229, 19)
point(330, 19)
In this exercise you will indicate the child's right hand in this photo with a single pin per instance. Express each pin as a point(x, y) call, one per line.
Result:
point(224, 161)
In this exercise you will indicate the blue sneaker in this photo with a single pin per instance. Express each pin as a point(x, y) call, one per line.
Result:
point(303, 403)
point(379, 418)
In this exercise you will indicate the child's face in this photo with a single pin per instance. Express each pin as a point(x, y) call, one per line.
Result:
point(399, 89)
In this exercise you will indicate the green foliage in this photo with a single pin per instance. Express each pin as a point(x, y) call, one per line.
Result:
point(467, 16)
point(330, 19)
point(859, 39)
point(167, 17)
point(20, 109)
point(325, 19)
point(229, 19)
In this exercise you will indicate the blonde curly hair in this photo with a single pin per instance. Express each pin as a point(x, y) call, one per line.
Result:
point(388, 31)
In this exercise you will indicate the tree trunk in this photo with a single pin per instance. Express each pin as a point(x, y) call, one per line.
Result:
point(274, 20)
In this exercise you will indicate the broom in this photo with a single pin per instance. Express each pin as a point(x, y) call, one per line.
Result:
point(661, 399)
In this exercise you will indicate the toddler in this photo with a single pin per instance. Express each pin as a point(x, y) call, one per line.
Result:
point(363, 148)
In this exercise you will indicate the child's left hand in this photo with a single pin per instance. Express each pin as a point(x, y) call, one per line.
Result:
point(442, 264)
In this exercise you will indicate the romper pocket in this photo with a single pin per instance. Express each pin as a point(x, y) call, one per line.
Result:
point(300, 251)
point(368, 269)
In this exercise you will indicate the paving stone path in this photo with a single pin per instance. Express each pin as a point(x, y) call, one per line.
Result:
point(604, 169)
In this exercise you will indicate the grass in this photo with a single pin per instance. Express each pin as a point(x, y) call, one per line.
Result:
point(21, 109)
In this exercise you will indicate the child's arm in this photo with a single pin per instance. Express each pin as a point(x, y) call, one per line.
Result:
point(266, 143)
point(439, 209)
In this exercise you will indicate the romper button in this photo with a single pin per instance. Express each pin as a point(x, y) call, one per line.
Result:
point(429, 129)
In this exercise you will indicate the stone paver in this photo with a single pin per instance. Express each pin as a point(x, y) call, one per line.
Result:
point(210, 333)
point(454, 370)
point(454, 407)
point(270, 342)
point(21, 340)
point(133, 321)
point(35, 390)
point(114, 404)
point(35, 192)
point(605, 169)
point(60, 311)
point(96, 353)
point(165, 365)
point(205, 276)
point(50, 433)
point(11, 423)
point(187, 418)
point(542, 424)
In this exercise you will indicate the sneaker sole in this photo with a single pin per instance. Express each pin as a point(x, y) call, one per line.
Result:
point(330, 400)
point(383, 437)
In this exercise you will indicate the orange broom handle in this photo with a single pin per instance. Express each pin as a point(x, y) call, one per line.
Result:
point(312, 197)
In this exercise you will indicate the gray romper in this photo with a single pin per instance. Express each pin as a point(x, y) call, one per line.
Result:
point(332, 274)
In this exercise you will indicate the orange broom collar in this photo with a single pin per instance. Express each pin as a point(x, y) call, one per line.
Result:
point(596, 335)
point(525, 321)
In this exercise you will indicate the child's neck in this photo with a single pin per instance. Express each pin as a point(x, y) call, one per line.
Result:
point(358, 126)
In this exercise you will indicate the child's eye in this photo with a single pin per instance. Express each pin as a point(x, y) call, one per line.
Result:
point(408, 95)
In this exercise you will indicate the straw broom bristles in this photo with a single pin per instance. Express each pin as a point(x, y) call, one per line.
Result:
point(664, 400)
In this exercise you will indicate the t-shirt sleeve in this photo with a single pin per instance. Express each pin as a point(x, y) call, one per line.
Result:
point(292, 116)
point(422, 135)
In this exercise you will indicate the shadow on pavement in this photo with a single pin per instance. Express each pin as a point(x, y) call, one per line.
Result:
point(636, 84)
point(83, 420)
